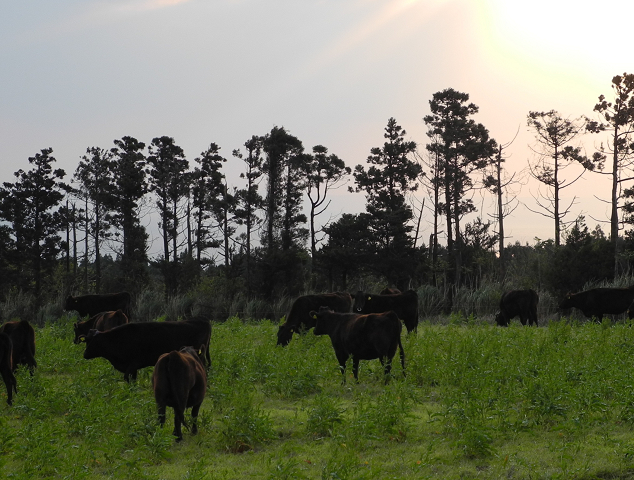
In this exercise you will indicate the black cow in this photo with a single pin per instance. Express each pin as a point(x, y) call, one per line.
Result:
point(405, 305)
point(133, 346)
point(6, 367)
point(23, 341)
point(598, 301)
point(389, 291)
point(522, 303)
point(91, 305)
point(299, 318)
point(102, 321)
point(180, 382)
point(362, 337)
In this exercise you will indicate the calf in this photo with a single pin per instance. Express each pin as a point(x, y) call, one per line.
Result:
point(133, 346)
point(23, 340)
point(598, 301)
point(93, 304)
point(180, 382)
point(6, 367)
point(362, 337)
point(102, 321)
point(299, 318)
point(405, 305)
point(522, 303)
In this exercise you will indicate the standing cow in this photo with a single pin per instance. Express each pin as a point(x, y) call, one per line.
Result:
point(91, 305)
point(299, 318)
point(522, 303)
point(179, 381)
point(23, 341)
point(598, 301)
point(6, 367)
point(133, 346)
point(102, 321)
point(405, 305)
point(362, 337)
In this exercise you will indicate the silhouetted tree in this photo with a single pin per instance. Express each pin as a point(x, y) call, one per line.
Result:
point(553, 134)
point(94, 176)
point(617, 118)
point(170, 183)
point(323, 172)
point(464, 147)
point(391, 175)
point(129, 188)
point(31, 206)
point(248, 200)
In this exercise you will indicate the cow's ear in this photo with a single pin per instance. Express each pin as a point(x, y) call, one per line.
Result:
point(313, 314)
point(82, 338)
point(369, 298)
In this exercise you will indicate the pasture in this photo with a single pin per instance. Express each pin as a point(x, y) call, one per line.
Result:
point(478, 401)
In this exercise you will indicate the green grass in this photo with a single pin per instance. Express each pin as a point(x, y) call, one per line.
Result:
point(478, 402)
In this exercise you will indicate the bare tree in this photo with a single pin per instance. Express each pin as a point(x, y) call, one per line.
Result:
point(553, 134)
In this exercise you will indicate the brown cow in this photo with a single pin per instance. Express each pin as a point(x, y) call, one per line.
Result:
point(362, 337)
point(299, 318)
point(102, 321)
point(180, 382)
point(6, 366)
point(23, 339)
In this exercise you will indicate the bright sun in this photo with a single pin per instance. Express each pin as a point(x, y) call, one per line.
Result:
point(581, 38)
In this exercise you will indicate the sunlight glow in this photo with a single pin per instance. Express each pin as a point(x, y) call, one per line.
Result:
point(534, 37)
point(412, 13)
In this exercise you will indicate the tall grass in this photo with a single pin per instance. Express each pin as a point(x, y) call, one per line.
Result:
point(479, 401)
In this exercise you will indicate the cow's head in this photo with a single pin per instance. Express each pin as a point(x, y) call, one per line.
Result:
point(359, 301)
point(71, 303)
point(92, 347)
point(501, 320)
point(321, 327)
point(284, 334)
point(79, 336)
point(567, 302)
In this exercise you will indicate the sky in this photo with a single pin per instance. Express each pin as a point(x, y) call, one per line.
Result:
point(77, 74)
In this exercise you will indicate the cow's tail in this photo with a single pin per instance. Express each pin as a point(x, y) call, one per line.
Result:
point(175, 376)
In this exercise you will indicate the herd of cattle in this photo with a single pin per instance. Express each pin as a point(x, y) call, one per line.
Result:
point(365, 327)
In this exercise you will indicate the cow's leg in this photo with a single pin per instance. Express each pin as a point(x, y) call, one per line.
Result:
point(161, 414)
point(355, 368)
point(195, 410)
point(387, 368)
point(10, 384)
point(177, 425)
point(523, 319)
point(342, 366)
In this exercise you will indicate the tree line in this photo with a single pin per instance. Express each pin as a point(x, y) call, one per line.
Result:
point(87, 232)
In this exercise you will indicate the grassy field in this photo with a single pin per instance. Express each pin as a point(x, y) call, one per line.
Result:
point(478, 402)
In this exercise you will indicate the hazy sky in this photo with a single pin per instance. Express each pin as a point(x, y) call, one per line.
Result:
point(76, 74)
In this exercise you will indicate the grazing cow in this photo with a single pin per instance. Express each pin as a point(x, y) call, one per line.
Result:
point(522, 303)
point(91, 305)
point(102, 321)
point(405, 305)
point(23, 340)
point(180, 382)
point(6, 366)
point(133, 346)
point(299, 318)
point(362, 337)
point(598, 301)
